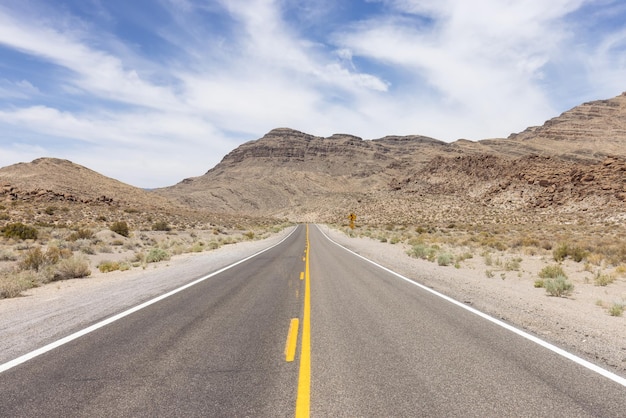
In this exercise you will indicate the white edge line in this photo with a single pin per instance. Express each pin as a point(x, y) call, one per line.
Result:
point(29, 356)
point(593, 367)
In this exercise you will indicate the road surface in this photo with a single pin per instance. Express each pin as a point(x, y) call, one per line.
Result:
point(364, 343)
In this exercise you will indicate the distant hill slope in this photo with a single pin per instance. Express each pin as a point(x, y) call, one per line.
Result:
point(589, 132)
point(50, 191)
point(54, 179)
point(562, 166)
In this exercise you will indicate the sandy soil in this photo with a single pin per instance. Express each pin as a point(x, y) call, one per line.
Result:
point(578, 323)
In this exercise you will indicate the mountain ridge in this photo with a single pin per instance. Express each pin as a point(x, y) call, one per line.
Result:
point(289, 173)
point(572, 163)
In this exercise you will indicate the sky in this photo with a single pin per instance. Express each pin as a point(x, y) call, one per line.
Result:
point(150, 92)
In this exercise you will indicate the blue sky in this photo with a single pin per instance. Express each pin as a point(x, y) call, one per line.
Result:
point(153, 91)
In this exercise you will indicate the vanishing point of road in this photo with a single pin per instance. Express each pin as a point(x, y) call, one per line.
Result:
point(304, 328)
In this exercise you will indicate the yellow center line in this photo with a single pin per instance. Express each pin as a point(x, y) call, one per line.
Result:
point(292, 340)
point(304, 379)
point(301, 275)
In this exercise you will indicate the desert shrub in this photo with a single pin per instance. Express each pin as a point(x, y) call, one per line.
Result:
point(19, 231)
point(6, 255)
point(107, 266)
point(578, 254)
point(80, 234)
point(13, 283)
point(424, 252)
point(54, 254)
point(10, 288)
point(512, 264)
point(464, 256)
point(214, 245)
point(72, 268)
point(444, 259)
point(601, 279)
point(539, 283)
point(552, 272)
point(156, 255)
point(33, 259)
point(197, 247)
point(50, 210)
point(161, 226)
point(558, 286)
point(617, 309)
point(249, 235)
point(121, 228)
point(562, 251)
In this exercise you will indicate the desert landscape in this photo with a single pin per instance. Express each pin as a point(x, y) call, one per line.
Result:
point(529, 228)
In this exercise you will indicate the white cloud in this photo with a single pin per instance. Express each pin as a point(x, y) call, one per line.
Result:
point(95, 72)
point(447, 69)
point(22, 89)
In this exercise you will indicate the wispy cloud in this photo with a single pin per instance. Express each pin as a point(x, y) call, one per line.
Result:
point(151, 94)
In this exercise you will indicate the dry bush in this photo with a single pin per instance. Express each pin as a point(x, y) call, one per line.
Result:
point(7, 255)
point(602, 279)
point(13, 283)
point(552, 272)
point(121, 228)
point(558, 286)
point(617, 309)
point(81, 234)
point(107, 266)
point(72, 268)
point(19, 231)
point(157, 254)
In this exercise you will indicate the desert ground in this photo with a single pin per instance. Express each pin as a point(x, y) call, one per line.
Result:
point(586, 320)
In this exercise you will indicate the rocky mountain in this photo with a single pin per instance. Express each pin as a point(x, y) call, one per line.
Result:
point(572, 167)
point(589, 132)
point(573, 164)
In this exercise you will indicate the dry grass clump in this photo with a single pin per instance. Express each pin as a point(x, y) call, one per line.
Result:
point(107, 266)
point(74, 267)
point(36, 267)
point(617, 309)
point(558, 286)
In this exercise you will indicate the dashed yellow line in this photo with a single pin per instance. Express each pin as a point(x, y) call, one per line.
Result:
point(292, 340)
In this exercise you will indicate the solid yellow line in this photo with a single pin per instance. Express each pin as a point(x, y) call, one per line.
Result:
point(304, 379)
point(292, 340)
point(301, 275)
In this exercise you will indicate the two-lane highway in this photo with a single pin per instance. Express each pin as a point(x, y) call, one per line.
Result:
point(367, 343)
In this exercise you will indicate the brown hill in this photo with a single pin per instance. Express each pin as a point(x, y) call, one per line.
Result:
point(59, 192)
point(56, 180)
point(572, 163)
point(589, 132)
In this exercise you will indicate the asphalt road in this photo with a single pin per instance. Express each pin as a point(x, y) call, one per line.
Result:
point(368, 344)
